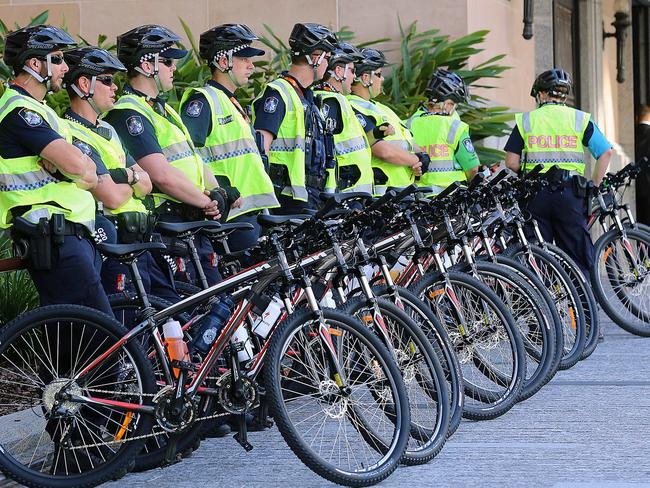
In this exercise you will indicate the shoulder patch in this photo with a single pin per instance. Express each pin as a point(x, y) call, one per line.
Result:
point(83, 147)
point(362, 120)
point(134, 125)
point(468, 145)
point(32, 118)
point(194, 108)
point(270, 105)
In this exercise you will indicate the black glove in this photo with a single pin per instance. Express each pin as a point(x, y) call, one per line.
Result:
point(425, 160)
point(378, 132)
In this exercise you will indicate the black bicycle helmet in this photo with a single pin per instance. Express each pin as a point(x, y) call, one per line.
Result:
point(556, 82)
point(233, 39)
point(306, 38)
point(345, 53)
point(372, 60)
point(90, 61)
point(142, 43)
point(34, 42)
point(446, 85)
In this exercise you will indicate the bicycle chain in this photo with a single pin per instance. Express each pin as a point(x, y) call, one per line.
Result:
point(143, 436)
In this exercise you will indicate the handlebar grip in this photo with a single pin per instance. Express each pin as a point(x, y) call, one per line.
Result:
point(476, 181)
point(537, 169)
point(449, 190)
point(496, 179)
point(405, 192)
point(385, 198)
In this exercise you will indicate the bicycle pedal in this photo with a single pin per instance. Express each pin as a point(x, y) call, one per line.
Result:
point(241, 440)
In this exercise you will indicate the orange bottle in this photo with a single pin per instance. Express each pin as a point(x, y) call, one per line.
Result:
point(176, 346)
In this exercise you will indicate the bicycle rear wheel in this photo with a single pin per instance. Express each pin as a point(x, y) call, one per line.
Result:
point(336, 425)
point(486, 340)
point(564, 293)
point(422, 375)
point(53, 433)
point(437, 335)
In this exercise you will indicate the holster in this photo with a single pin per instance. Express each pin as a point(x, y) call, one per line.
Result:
point(279, 175)
point(347, 176)
point(579, 186)
point(36, 239)
point(380, 177)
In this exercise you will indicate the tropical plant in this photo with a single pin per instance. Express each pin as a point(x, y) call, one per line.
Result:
point(17, 292)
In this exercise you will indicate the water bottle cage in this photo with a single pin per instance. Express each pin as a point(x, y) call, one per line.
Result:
point(184, 366)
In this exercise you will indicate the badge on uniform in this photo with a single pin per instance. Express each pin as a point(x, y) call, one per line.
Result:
point(270, 105)
point(468, 145)
point(194, 108)
point(362, 120)
point(32, 118)
point(83, 147)
point(134, 125)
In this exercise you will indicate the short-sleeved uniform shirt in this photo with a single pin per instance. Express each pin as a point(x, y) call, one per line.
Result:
point(24, 132)
point(270, 111)
point(136, 132)
point(87, 149)
point(593, 139)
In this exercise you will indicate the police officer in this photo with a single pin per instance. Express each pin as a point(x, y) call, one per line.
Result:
point(353, 171)
point(43, 178)
point(396, 159)
point(444, 137)
point(556, 135)
point(291, 123)
point(121, 183)
point(222, 131)
point(156, 137)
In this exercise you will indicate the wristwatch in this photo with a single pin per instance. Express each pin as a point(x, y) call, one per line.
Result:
point(136, 178)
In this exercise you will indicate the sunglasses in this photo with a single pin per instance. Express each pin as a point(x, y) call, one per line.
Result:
point(105, 80)
point(166, 61)
point(54, 58)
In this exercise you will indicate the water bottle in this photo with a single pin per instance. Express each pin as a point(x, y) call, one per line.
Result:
point(265, 322)
point(207, 329)
point(176, 347)
point(241, 341)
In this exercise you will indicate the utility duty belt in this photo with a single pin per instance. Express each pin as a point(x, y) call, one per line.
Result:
point(133, 226)
point(182, 210)
point(35, 241)
point(347, 176)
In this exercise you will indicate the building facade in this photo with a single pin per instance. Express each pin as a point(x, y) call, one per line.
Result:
point(566, 33)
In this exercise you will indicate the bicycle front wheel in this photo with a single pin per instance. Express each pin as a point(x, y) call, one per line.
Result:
point(353, 428)
point(621, 279)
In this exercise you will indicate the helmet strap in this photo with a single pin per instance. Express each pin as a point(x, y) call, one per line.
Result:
point(228, 69)
point(46, 80)
point(153, 75)
point(360, 79)
point(315, 64)
point(88, 96)
point(340, 79)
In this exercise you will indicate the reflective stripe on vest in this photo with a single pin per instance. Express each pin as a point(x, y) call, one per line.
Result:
point(439, 135)
point(230, 151)
point(25, 183)
point(288, 148)
point(173, 139)
point(397, 176)
point(553, 135)
point(352, 148)
point(112, 155)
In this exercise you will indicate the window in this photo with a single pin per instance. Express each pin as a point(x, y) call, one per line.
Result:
point(565, 43)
